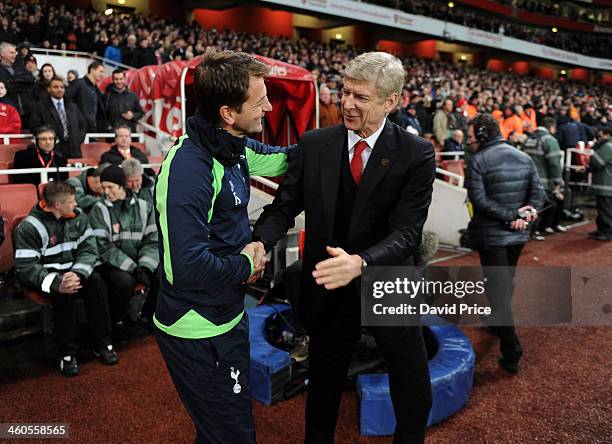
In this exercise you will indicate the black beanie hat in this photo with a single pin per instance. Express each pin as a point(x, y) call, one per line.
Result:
point(114, 174)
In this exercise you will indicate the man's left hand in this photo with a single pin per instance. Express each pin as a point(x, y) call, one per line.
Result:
point(128, 115)
point(339, 270)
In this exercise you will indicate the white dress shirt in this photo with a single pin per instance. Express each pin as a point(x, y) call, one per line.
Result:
point(353, 138)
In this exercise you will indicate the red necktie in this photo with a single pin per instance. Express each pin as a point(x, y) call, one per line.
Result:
point(356, 162)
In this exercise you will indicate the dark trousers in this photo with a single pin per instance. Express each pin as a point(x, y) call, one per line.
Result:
point(211, 377)
point(330, 352)
point(121, 285)
point(551, 217)
point(499, 269)
point(604, 215)
point(65, 316)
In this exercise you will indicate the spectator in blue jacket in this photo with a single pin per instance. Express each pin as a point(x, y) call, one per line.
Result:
point(569, 132)
point(112, 51)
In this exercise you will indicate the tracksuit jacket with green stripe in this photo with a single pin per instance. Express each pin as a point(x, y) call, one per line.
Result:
point(126, 233)
point(47, 247)
point(202, 193)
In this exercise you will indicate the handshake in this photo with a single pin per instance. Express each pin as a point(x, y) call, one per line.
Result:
point(257, 252)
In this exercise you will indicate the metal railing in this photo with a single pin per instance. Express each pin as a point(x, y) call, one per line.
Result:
point(79, 54)
point(6, 138)
point(569, 166)
point(90, 136)
point(44, 172)
point(453, 176)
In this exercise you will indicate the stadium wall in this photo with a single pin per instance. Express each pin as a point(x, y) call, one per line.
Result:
point(247, 18)
point(425, 49)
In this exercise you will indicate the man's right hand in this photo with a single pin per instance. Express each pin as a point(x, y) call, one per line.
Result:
point(259, 262)
point(256, 251)
point(70, 283)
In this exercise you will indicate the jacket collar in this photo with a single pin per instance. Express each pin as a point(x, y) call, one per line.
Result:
point(223, 146)
point(496, 141)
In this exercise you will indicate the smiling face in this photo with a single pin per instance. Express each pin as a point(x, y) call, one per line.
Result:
point(113, 191)
point(249, 119)
point(362, 109)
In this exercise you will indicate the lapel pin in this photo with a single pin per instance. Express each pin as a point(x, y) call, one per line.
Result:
point(385, 162)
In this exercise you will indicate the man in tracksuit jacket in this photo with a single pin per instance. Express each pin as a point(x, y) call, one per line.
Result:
point(55, 255)
point(126, 233)
point(202, 193)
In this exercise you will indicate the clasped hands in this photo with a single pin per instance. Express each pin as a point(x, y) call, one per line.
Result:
point(70, 283)
point(521, 224)
point(257, 252)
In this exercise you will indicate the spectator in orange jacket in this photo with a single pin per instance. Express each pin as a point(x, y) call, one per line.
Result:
point(528, 117)
point(10, 122)
point(329, 113)
point(472, 108)
point(511, 123)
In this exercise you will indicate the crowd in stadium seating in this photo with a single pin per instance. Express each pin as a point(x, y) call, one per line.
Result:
point(139, 40)
point(581, 43)
point(428, 84)
point(584, 12)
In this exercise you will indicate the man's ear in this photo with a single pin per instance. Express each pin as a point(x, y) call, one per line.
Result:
point(226, 115)
point(391, 102)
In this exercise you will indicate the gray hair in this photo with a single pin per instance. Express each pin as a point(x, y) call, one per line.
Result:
point(132, 167)
point(385, 70)
point(6, 45)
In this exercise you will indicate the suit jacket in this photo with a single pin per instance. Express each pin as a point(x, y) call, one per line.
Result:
point(45, 113)
point(388, 215)
point(28, 158)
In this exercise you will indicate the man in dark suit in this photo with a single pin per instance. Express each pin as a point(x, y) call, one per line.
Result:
point(64, 117)
point(366, 188)
point(40, 154)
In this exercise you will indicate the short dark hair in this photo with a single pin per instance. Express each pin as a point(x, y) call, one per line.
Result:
point(55, 189)
point(44, 129)
point(222, 79)
point(118, 71)
point(94, 65)
point(490, 125)
point(121, 126)
point(549, 122)
point(56, 79)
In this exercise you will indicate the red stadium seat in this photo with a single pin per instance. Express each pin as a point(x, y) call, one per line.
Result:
point(156, 159)
point(41, 190)
point(7, 255)
point(5, 178)
point(17, 200)
point(7, 152)
point(141, 146)
point(453, 166)
point(94, 150)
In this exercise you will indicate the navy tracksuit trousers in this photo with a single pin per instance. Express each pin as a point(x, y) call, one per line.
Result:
point(212, 378)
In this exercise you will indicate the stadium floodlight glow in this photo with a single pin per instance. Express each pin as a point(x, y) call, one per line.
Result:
point(109, 11)
point(563, 72)
point(463, 57)
point(451, 5)
point(121, 2)
point(338, 36)
point(554, 30)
